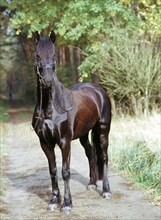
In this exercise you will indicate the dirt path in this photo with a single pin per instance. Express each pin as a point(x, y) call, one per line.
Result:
point(28, 185)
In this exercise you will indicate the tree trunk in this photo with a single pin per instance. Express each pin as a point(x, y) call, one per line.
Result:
point(73, 66)
point(77, 61)
point(62, 56)
point(139, 106)
point(146, 104)
point(113, 106)
point(134, 104)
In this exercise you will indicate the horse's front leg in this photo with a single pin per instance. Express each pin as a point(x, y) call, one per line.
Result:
point(65, 149)
point(56, 198)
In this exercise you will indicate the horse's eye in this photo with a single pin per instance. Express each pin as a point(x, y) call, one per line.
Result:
point(37, 57)
point(40, 69)
point(53, 67)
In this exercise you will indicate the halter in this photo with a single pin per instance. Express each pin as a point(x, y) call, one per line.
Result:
point(40, 112)
point(41, 80)
point(46, 66)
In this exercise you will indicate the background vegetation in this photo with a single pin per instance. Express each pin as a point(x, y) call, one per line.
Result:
point(116, 43)
point(135, 152)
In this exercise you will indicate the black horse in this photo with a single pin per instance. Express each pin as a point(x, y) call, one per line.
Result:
point(62, 115)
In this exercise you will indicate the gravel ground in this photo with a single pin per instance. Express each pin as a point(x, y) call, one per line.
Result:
point(28, 186)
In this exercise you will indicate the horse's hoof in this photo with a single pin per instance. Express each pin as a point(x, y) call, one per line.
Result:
point(107, 195)
point(66, 209)
point(52, 207)
point(91, 187)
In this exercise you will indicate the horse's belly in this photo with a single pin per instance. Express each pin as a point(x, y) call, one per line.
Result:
point(80, 133)
point(86, 117)
point(84, 125)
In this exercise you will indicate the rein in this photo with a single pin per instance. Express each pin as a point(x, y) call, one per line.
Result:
point(40, 112)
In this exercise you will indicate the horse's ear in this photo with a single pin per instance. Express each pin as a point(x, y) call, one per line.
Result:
point(36, 37)
point(52, 37)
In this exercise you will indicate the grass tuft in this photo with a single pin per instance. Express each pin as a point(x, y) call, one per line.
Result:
point(133, 156)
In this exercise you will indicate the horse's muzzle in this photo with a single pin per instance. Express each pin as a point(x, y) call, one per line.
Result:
point(47, 79)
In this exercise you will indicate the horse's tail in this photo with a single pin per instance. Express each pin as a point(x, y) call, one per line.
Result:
point(98, 154)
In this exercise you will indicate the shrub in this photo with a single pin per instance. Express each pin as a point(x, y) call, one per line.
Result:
point(129, 68)
point(131, 73)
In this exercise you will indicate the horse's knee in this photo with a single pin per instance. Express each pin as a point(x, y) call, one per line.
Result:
point(65, 173)
point(53, 172)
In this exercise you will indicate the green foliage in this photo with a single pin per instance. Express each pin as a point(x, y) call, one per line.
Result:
point(73, 20)
point(149, 14)
point(91, 63)
point(4, 106)
point(110, 35)
point(128, 68)
point(32, 15)
point(91, 20)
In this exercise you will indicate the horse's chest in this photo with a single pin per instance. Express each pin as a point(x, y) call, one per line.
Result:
point(45, 131)
point(49, 130)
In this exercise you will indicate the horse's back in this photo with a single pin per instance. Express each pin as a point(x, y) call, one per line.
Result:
point(82, 86)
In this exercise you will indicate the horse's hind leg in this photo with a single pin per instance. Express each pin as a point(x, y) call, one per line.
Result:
point(100, 142)
point(92, 163)
point(104, 132)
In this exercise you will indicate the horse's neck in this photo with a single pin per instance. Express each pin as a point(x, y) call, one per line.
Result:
point(44, 98)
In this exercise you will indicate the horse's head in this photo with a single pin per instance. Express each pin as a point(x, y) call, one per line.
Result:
point(45, 59)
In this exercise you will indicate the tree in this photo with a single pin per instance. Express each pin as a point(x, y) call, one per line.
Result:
point(149, 14)
point(85, 27)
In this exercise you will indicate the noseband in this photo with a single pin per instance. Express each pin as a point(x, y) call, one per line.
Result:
point(44, 67)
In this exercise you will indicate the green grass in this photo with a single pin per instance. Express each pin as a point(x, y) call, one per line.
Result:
point(18, 111)
point(135, 151)
point(4, 116)
point(23, 115)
